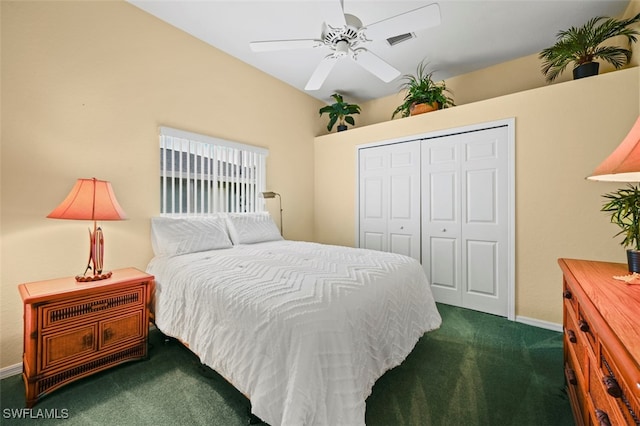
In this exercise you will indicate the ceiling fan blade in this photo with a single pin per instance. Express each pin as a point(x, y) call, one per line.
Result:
point(271, 45)
point(375, 65)
point(335, 16)
point(408, 22)
point(321, 73)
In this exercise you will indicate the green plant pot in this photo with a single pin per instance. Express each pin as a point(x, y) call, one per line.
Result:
point(586, 70)
point(342, 127)
point(633, 260)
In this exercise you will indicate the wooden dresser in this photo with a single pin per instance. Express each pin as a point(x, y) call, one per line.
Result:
point(74, 329)
point(601, 343)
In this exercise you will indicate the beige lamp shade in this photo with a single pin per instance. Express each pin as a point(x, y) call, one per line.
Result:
point(89, 199)
point(623, 165)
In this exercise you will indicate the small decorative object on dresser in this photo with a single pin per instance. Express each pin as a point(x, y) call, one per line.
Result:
point(73, 329)
point(601, 343)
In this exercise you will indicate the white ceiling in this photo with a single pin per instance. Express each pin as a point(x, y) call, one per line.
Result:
point(473, 34)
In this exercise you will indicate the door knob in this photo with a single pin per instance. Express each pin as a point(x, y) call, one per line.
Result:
point(444, 229)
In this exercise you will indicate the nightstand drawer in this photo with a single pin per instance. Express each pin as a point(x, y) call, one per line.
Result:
point(129, 326)
point(58, 314)
point(61, 348)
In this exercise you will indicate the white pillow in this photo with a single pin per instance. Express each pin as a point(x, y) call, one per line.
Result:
point(249, 228)
point(171, 236)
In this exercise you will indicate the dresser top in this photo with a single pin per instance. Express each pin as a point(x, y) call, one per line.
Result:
point(39, 291)
point(616, 301)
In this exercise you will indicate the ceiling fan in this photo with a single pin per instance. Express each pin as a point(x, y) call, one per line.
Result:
point(347, 38)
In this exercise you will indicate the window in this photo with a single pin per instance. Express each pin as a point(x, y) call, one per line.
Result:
point(203, 175)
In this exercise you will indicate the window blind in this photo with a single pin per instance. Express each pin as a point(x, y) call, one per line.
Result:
point(202, 175)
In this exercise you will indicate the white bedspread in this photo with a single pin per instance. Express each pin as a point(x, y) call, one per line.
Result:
point(303, 329)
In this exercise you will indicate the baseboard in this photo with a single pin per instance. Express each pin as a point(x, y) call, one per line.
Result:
point(540, 324)
point(11, 370)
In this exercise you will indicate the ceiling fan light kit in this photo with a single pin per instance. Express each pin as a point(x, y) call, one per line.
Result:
point(349, 37)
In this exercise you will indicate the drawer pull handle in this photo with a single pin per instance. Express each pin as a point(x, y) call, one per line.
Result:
point(603, 418)
point(571, 376)
point(613, 388)
point(99, 306)
point(567, 294)
point(107, 334)
point(572, 336)
point(87, 340)
point(582, 324)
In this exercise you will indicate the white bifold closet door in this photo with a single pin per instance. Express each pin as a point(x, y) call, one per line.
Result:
point(464, 195)
point(444, 201)
point(389, 185)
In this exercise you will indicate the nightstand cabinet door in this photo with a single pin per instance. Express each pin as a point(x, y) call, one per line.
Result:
point(74, 329)
point(117, 330)
point(63, 347)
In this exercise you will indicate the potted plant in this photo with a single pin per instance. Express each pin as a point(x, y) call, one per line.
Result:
point(583, 45)
point(624, 207)
point(422, 93)
point(340, 111)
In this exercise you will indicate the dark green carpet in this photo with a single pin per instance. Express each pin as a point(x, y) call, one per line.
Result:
point(477, 369)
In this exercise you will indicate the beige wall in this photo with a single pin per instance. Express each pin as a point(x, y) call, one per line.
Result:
point(563, 131)
point(85, 86)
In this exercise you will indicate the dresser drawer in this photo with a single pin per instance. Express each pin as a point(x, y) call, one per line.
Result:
point(587, 332)
point(119, 329)
point(576, 387)
point(64, 347)
point(575, 339)
point(570, 300)
point(72, 311)
point(602, 400)
point(625, 400)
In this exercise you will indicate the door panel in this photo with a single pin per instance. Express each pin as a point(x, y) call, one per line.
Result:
point(481, 267)
point(390, 198)
point(373, 189)
point(464, 194)
point(440, 222)
point(400, 243)
point(373, 241)
point(481, 196)
point(443, 269)
point(485, 221)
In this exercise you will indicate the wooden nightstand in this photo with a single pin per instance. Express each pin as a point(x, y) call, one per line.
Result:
point(74, 329)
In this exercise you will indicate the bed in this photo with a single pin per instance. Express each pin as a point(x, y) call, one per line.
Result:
point(302, 329)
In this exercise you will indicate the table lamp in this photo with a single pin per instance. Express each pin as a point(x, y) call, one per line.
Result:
point(91, 199)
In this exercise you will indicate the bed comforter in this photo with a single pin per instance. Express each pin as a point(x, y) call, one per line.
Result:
point(303, 329)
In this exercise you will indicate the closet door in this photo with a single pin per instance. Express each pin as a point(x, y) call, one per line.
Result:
point(389, 185)
point(465, 219)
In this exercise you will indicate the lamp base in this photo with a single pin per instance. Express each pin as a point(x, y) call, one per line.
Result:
point(89, 278)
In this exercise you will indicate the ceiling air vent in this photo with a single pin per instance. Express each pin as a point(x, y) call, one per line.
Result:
point(400, 38)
